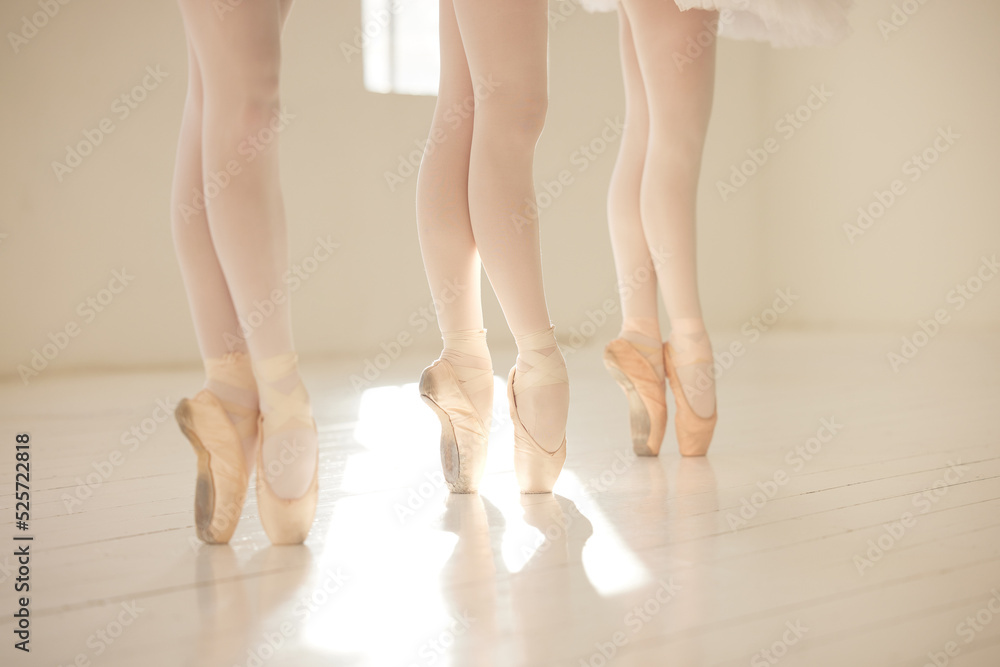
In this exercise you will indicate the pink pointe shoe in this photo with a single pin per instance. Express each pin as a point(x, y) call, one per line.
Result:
point(285, 520)
point(464, 435)
point(646, 394)
point(694, 433)
point(221, 486)
point(537, 469)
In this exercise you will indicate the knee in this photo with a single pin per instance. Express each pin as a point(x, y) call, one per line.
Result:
point(516, 113)
point(247, 102)
point(258, 105)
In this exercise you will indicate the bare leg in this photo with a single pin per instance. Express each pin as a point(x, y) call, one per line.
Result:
point(680, 101)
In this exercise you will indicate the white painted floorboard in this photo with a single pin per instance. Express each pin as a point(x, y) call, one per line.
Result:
point(659, 561)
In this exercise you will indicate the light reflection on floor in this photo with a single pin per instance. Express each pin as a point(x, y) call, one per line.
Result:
point(402, 558)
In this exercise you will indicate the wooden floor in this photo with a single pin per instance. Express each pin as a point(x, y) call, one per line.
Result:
point(846, 515)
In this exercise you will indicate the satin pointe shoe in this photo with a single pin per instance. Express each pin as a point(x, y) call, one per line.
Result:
point(694, 433)
point(286, 520)
point(464, 434)
point(536, 468)
point(646, 394)
point(222, 480)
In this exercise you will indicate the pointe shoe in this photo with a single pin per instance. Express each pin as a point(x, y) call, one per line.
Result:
point(694, 433)
point(221, 486)
point(464, 435)
point(646, 394)
point(285, 520)
point(537, 469)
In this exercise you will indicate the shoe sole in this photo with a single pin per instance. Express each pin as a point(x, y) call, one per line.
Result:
point(451, 459)
point(204, 490)
point(639, 422)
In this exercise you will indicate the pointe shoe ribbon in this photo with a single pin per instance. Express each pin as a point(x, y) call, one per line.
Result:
point(225, 370)
point(282, 407)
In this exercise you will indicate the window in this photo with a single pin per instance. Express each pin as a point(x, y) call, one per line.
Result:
point(400, 46)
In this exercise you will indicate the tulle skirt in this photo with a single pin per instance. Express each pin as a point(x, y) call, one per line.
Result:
point(783, 23)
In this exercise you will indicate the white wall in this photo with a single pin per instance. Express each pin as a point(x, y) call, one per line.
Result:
point(891, 96)
point(783, 228)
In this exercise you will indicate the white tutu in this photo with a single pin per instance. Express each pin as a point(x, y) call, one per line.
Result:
point(783, 23)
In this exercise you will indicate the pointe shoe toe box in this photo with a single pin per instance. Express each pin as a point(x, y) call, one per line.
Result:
point(464, 435)
point(222, 480)
point(694, 433)
point(646, 394)
point(536, 468)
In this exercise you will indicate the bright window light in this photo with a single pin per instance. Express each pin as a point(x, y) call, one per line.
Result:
point(401, 46)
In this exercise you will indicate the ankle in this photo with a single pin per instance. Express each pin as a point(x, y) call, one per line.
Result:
point(284, 401)
point(539, 350)
point(645, 329)
point(231, 380)
point(644, 335)
point(690, 342)
point(469, 356)
point(467, 349)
